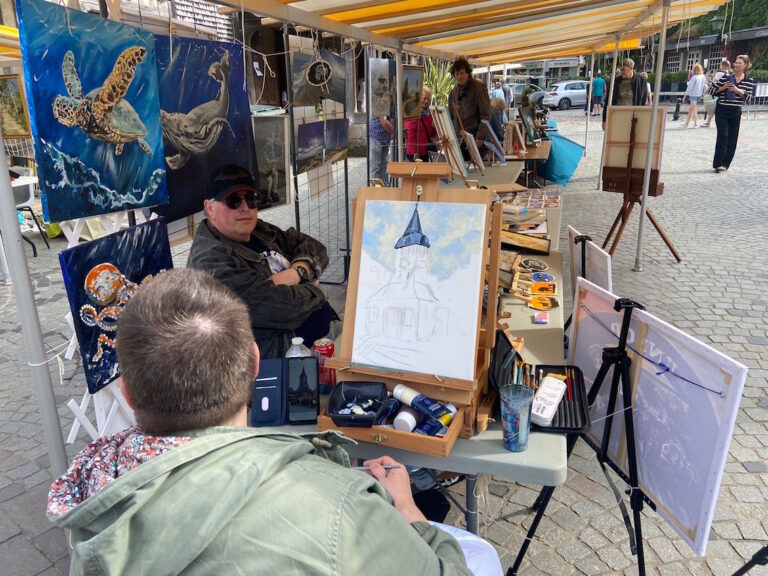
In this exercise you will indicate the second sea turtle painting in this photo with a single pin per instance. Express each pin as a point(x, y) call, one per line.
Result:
point(94, 111)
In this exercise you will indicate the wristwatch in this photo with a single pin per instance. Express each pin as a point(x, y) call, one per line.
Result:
point(303, 274)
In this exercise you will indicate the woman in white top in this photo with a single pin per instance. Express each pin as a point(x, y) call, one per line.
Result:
point(725, 68)
point(696, 86)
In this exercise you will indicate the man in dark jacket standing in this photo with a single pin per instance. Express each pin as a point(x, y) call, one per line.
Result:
point(631, 89)
point(273, 271)
point(472, 100)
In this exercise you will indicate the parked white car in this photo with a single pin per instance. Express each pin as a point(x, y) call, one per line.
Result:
point(565, 95)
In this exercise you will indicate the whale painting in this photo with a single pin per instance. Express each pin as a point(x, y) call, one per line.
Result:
point(94, 113)
point(205, 115)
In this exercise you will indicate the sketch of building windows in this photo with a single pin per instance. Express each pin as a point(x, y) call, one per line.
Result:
point(423, 276)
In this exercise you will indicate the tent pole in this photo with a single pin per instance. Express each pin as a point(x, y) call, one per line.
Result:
point(605, 104)
point(590, 79)
point(30, 321)
point(638, 267)
point(398, 154)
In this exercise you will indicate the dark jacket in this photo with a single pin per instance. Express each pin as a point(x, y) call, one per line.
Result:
point(276, 311)
point(639, 93)
point(474, 106)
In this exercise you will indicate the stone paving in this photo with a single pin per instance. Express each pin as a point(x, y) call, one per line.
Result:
point(717, 294)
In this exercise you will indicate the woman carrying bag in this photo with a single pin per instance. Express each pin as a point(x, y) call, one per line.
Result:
point(732, 91)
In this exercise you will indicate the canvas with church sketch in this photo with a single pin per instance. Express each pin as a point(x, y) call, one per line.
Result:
point(419, 287)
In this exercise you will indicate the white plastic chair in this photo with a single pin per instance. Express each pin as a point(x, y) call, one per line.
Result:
point(24, 199)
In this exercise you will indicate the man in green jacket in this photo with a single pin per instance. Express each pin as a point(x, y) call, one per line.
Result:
point(191, 490)
point(274, 271)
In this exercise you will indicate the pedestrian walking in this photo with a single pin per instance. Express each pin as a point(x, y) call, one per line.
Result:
point(694, 92)
point(598, 89)
point(732, 91)
point(710, 102)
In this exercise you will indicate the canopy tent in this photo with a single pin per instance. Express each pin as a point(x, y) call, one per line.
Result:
point(486, 31)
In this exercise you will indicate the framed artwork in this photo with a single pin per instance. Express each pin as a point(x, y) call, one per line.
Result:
point(316, 78)
point(100, 277)
point(413, 80)
point(528, 124)
point(271, 137)
point(617, 131)
point(447, 135)
point(205, 115)
point(495, 145)
point(94, 112)
point(685, 399)
point(418, 282)
point(336, 139)
point(14, 115)
point(474, 152)
point(310, 146)
point(381, 72)
point(598, 267)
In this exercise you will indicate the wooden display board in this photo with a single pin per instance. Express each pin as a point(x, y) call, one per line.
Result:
point(420, 184)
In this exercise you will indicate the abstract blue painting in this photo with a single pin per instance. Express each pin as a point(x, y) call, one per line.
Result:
point(205, 115)
point(310, 146)
point(100, 277)
point(336, 138)
point(92, 87)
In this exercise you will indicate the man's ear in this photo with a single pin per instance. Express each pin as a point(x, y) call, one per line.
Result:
point(256, 359)
point(124, 392)
point(207, 208)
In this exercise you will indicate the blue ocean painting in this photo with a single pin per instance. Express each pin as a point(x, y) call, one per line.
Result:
point(100, 277)
point(92, 90)
point(205, 115)
point(310, 146)
point(336, 138)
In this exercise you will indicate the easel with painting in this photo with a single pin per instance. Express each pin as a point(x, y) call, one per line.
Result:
point(450, 145)
point(420, 189)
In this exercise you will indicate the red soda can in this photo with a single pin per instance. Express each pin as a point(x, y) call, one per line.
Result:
point(323, 349)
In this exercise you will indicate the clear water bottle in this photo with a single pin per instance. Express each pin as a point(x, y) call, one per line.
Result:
point(297, 349)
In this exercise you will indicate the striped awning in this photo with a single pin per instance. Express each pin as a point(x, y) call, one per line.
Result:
point(487, 31)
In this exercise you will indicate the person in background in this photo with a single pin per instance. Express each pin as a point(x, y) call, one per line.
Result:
point(274, 271)
point(732, 91)
point(507, 92)
point(497, 92)
point(725, 68)
point(598, 89)
point(420, 132)
point(191, 489)
point(498, 117)
point(380, 131)
point(644, 74)
point(471, 99)
point(630, 89)
point(694, 92)
point(284, 98)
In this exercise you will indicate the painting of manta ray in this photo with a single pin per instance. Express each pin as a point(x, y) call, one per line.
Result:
point(100, 277)
point(205, 114)
point(92, 88)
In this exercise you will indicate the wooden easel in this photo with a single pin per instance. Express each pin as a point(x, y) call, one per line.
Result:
point(420, 184)
point(631, 197)
point(469, 142)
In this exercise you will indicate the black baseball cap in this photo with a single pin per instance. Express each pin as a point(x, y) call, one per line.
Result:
point(227, 179)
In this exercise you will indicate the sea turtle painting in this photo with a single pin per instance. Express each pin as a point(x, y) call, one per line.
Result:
point(197, 131)
point(102, 113)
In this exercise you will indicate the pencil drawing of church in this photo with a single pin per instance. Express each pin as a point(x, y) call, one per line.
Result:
point(406, 308)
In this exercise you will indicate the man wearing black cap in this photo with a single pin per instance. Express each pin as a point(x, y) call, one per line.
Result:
point(631, 89)
point(275, 272)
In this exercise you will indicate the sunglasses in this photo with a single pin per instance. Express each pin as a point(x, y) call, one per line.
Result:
point(233, 201)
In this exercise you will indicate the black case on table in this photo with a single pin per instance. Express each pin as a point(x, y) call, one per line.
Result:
point(269, 398)
point(579, 408)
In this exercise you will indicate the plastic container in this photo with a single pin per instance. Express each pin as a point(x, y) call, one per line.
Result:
point(407, 419)
point(297, 349)
point(516, 416)
point(346, 392)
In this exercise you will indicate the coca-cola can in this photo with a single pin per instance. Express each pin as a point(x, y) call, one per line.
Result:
point(323, 349)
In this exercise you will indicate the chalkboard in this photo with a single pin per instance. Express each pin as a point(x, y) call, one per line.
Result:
point(685, 400)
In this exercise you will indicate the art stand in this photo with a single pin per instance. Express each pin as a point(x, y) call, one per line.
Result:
point(469, 142)
point(631, 197)
point(615, 358)
point(581, 239)
point(112, 413)
point(759, 558)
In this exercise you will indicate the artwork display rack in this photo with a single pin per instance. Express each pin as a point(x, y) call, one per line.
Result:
point(420, 184)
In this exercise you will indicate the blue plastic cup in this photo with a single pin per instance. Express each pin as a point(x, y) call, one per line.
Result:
point(516, 404)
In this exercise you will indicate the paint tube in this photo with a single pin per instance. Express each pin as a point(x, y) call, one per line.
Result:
point(432, 427)
point(390, 407)
point(426, 406)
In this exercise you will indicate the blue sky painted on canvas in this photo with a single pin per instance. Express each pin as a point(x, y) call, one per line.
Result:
point(47, 32)
point(454, 232)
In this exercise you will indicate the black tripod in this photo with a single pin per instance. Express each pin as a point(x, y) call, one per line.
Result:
point(760, 557)
point(618, 359)
point(581, 239)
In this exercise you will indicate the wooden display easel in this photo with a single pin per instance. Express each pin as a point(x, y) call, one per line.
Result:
point(633, 196)
point(420, 184)
point(469, 142)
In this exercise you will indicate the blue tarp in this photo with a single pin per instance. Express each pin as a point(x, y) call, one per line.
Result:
point(563, 159)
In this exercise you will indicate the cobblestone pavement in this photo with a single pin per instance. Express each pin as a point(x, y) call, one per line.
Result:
point(717, 294)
